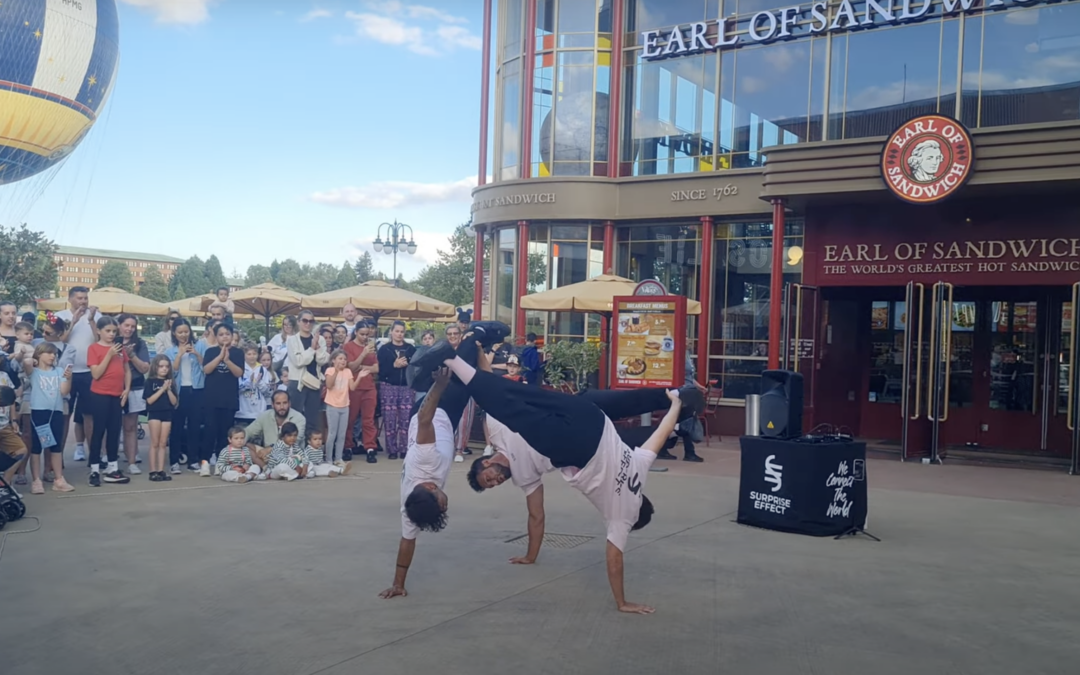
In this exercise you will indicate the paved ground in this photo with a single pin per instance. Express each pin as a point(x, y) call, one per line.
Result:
point(205, 578)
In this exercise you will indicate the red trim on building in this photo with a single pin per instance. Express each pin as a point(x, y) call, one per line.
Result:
point(615, 88)
point(478, 272)
point(605, 323)
point(523, 273)
point(527, 79)
point(776, 284)
point(705, 298)
point(485, 93)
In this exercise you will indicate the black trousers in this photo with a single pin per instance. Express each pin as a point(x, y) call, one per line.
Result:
point(185, 432)
point(308, 402)
point(216, 436)
point(108, 420)
point(453, 402)
point(565, 429)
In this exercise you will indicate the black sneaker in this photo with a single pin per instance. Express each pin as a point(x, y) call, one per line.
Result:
point(116, 477)
point(95, 479)
point(346, 455)
point(371, 459)
point(433, 358)
point(165, 477)
point(488, 333)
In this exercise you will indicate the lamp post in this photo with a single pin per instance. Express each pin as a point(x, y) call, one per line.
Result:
point(395, 241)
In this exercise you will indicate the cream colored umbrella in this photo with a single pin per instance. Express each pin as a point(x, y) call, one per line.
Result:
point(591, 295)
point(192, 308)
point(378, 299)
point(264, 301)
point(113, 301)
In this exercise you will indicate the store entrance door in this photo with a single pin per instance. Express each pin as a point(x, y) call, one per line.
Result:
point(976, 368)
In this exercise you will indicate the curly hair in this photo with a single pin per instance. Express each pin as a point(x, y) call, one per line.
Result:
point(645, 514)
point(422, 508)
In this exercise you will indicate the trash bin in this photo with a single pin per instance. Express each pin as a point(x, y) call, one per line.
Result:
point(753, 414)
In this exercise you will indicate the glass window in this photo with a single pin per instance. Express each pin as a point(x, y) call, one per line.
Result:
point(670, 254)
point(742, 265)
point(578, 16)
point(645, 15)
point(1030, 59)
point(510, 129)
point(513, 12)
point(772, 90)
point(505, 278)
point(673, 115)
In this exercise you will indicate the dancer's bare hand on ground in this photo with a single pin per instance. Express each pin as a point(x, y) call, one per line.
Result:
point(393, 592)
point(522, 560)
point(634, 608)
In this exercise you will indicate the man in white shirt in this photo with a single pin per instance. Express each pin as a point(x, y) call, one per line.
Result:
point(349, 312)
point(82, 332)
point(425, 469)
point(515, 460)
point(583, 443)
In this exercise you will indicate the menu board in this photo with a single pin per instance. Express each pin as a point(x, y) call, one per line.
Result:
point(650, 342)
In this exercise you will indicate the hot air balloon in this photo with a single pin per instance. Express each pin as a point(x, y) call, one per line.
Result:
point(58, 63)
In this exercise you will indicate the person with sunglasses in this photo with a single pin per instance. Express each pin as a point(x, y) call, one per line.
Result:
point(306, 353)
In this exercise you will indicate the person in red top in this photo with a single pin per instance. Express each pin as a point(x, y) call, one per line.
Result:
point(362, 400)
point(109, 390)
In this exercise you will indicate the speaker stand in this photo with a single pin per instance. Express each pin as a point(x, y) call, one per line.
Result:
point(853, 531)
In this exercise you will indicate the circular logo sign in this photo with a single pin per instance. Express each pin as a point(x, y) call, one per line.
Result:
point(650, 287)
point(927, 159)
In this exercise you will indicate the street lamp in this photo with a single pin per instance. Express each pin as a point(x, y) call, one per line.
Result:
point(395, 241)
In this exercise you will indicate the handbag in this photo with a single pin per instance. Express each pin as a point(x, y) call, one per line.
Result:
point(45, 434)
point(309, 381)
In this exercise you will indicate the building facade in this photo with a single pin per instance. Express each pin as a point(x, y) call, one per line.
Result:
point(709, 143)
point(76, 266)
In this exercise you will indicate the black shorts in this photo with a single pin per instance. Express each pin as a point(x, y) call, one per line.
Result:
point(55, 420)
point(80, 395)
point(159, 415)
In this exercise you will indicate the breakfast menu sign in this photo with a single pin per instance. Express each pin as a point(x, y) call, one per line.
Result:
point(650, 341)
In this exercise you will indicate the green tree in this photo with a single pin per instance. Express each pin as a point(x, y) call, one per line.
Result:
point(115, 274)
point(179, 293)
point(346, 277)
point(257, 274)
point(450, 278)
point(27, 268)
point(365, 268)
point(154, 286)
point(192, 276)
point(214, 276)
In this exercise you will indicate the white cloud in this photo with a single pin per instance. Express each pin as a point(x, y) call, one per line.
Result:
point(393, 22)
point(396, 194)
point(1023, 18)
point(317, 14)
point(176, 11)
point(427, 251)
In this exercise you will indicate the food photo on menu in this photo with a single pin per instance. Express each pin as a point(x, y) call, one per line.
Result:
point(645, 348)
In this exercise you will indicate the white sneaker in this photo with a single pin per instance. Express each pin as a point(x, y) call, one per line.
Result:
point(213, 459)
point(175, 470)
point(458, 459)
point(134, 469)
point(80, 454)
point(204, 469)
point(488, 451)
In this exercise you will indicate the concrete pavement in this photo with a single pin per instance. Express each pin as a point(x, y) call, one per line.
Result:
point(201, 577)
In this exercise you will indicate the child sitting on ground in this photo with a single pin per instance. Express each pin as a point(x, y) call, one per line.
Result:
point(316, 457)
point(287, 460)
point(235, 462)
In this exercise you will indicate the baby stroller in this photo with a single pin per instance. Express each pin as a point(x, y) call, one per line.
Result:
point(11, 504)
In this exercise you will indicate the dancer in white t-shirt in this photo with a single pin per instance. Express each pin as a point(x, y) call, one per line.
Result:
point(582, 442)
point(516, 461)
point(425, 469)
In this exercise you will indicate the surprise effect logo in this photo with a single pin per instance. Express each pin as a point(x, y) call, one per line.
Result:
point(927, 159)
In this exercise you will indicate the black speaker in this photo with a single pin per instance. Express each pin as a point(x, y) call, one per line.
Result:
point(781, 404)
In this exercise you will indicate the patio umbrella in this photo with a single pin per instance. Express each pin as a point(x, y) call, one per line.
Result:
point(264, 300)
point(378, 299)
point(591, 295)
point(192, 308)
point(113, 301)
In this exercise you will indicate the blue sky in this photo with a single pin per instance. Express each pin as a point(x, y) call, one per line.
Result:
point(260, 129)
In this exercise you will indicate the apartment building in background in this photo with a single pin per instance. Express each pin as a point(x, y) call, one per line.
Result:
point(76, 266)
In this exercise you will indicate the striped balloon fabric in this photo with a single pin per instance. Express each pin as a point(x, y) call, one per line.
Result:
point(58, 61)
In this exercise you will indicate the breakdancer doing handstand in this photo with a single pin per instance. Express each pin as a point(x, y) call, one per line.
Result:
point(579, 439)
